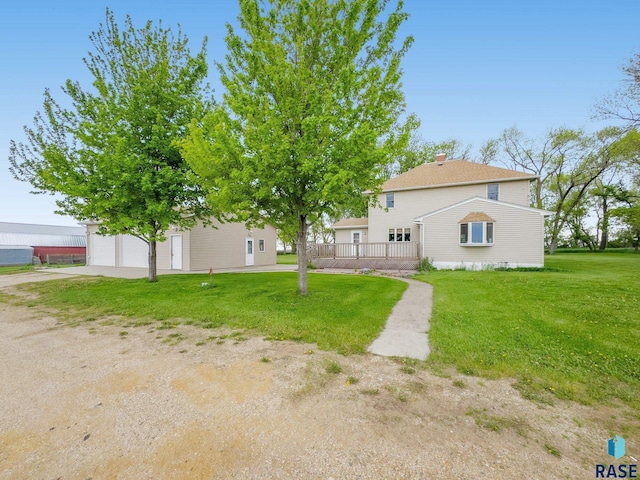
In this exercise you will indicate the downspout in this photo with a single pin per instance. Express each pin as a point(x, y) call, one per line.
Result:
point(422, 253)
point(421, 225)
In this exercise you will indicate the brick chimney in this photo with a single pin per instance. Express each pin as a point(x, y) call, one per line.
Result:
point(440, 158)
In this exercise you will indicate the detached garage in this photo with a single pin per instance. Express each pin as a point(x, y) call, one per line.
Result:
point(15, 255)
point(101, 251)
point(229, 245)
point(135, 252)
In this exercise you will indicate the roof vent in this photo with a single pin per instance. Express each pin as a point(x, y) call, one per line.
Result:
point(440, 158)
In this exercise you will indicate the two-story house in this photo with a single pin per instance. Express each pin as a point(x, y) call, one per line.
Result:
point(456, 214)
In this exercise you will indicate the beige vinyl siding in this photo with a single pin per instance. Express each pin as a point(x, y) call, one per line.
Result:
point(410, 204)
point(224, 246)
point(516, 192)
point(518, 236)
point(163, 251)
point(344, 235)
point(269, 235)
point(205, 247)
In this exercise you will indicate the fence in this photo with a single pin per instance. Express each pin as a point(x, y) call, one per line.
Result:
point(65, 259)
point(366, 250)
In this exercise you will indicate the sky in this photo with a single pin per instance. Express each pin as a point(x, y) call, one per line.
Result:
point(475, 68)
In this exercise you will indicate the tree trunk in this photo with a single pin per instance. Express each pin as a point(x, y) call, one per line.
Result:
point(554, 229)
point(604, 238)
point(153, 277)
point(538, 194)
point(301, 242)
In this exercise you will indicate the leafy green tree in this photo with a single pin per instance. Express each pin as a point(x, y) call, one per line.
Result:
point(629, 215)
point(591, 157)
point(112, 155)
point(312, 113)
point(606, 196)
point(540, 158)
point(566, 164)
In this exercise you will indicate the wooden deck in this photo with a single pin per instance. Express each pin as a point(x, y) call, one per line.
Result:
point(378, 256)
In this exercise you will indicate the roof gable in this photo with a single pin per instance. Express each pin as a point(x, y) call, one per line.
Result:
point(544, 213)
point(453, 172)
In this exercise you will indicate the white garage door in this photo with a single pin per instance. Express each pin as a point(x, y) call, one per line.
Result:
point(135, 252)
point(103, 250)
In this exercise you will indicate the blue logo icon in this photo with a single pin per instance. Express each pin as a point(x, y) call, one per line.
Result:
point(616, 447)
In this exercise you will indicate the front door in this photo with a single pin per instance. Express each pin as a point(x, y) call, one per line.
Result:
point(176, 252)
point(249, 252)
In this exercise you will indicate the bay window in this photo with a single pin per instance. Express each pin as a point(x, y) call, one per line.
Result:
point(476, 233)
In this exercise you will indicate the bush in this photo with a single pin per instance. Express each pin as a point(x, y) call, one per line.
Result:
point(425, 265)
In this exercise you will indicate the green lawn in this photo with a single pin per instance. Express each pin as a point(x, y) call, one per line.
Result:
point(287, 259)
point(572, 331)
point(342, 312)
point(15, 269)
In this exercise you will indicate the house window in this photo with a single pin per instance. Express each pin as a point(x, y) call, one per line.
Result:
point(391, 200)
point(493, 191)
point(261, 245)
point(400, 234)
point(476, 233)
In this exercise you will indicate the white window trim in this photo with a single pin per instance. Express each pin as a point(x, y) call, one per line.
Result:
point(261, 245)
point(469, 235)
point(403, 231)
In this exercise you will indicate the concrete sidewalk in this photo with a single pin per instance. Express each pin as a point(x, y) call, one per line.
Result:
point(405, 333)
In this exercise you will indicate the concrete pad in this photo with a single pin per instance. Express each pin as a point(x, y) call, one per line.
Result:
point(405, 333)
point(28, 277)
point(133, 272)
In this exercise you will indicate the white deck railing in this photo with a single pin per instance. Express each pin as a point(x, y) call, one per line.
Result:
point(365, 250)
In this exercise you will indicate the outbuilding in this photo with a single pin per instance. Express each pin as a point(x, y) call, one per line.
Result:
point(49, 242)
point(228, 245)
point(15, 255)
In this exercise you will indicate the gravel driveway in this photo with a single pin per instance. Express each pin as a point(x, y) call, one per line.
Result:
point(92, 401)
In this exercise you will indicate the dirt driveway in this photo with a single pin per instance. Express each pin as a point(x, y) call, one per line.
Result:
point(92, 401)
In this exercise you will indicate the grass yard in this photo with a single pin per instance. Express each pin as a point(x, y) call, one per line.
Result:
point(15, 269)
point(571, 331)
point(287, 259)
point(342, 312)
